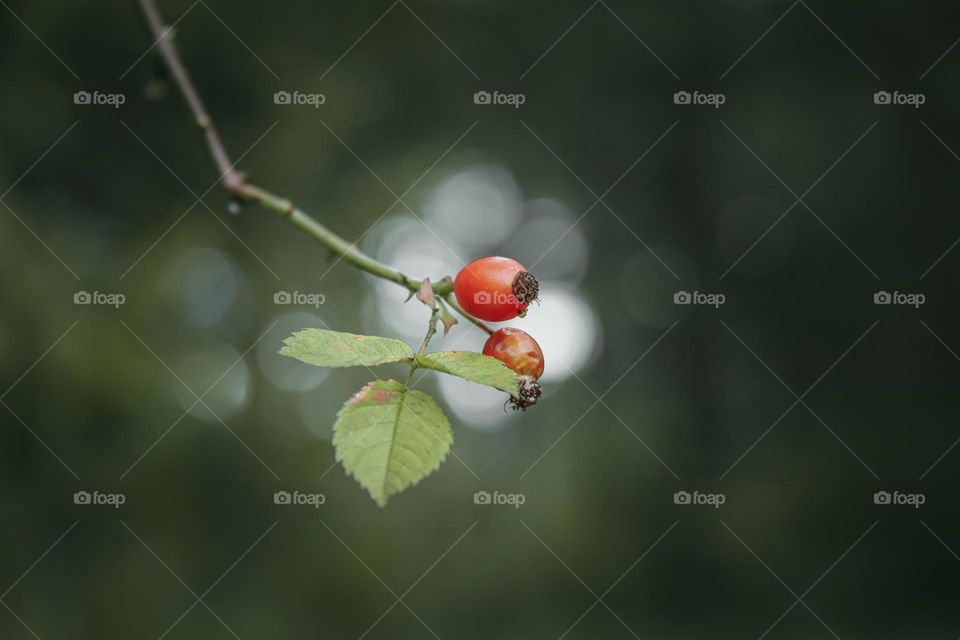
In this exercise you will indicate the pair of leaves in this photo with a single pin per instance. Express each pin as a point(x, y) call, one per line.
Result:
point(387, 436)
point(323, 348)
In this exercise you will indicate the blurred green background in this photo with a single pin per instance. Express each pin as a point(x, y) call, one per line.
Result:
point(644, 398)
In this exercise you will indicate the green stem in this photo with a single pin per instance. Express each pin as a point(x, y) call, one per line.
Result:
point(431, 330)
point(347, 250)
point(452, 301)
point(235, 181)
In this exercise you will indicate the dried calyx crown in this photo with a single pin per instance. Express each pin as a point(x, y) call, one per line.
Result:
point(525, 290)
point(528, 392)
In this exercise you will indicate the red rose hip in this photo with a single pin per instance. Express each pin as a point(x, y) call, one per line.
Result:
point(495, 289)
point(516, 349)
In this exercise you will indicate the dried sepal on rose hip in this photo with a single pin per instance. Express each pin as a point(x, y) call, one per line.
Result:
point(528, 392)
point(519, 351)
point(495, 289)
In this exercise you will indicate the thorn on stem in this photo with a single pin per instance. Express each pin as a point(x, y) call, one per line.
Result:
point(446, 317)
point(425, 294)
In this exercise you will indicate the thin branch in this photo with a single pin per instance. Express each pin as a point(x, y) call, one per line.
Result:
point(431, 330)
point(236, 183)
point(163, 35)
point(452, 301)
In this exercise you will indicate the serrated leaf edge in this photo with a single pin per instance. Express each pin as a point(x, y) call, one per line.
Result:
point(339, 458)
point(284, 350)
point(423, 360)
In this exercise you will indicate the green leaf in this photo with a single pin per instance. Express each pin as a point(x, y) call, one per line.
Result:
point(389, 437)
point(472, 366)
point(334, 349)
